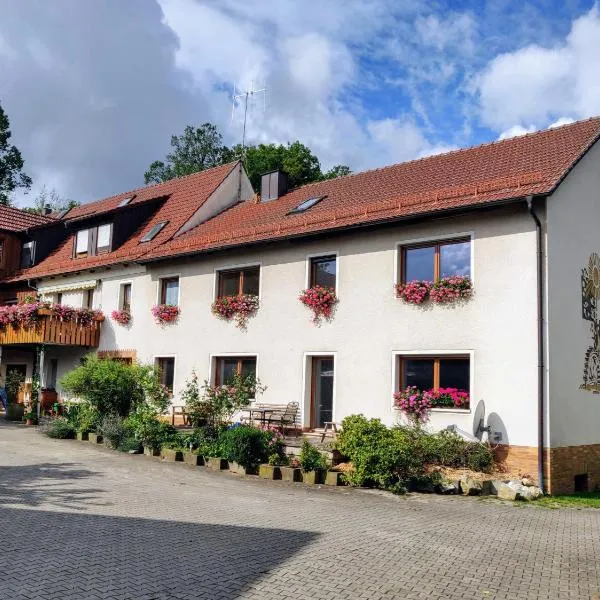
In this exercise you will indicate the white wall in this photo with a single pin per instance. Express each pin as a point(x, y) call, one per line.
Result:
point(573, 215)
point(498, 326)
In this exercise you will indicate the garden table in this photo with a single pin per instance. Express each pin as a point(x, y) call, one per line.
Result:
point(263, 412)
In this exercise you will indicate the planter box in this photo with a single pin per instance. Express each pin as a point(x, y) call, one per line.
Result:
point(269, 472)
point(171, 455)
point(151, 451)
point(291, 474)
point(334, 478)
point(217, 464)
point(15, 412)
point(240, 470)
point(81, 437)
point(94, 438)
point(314, 477)
point(192, 459)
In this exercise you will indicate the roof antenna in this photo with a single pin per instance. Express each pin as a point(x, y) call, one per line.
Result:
point(242, 98)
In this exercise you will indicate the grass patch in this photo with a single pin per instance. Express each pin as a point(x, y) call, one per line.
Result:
point(582, 500)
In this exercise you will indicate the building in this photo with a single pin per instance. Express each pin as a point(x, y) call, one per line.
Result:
point(519, 217)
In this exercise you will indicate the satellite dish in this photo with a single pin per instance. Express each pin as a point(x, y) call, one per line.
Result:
point(479, 424)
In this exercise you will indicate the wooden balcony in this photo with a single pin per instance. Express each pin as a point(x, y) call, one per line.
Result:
point(52, 331)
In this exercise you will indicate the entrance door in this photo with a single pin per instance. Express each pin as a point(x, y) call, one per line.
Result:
point(322, 390)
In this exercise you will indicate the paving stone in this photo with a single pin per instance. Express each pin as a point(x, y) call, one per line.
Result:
point(81, 521)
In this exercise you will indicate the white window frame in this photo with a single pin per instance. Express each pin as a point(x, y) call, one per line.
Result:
point(233, 267)
point(434, 239)
point(322, 255)
point(435, 353)
point(212, 364)
point(306, 393)
point(155, 358)
point(120, 299)
point(87, 242)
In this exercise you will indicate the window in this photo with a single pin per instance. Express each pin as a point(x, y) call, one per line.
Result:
point(27, 254)
point(430, 262)
point(435, 372)
point(239, 281)
point(154, 232)
point(125, 302)
point(52, 377)
point(169, 291)
point(166, 371)
point(59, 298)
point(88, 298)
point(94, 240)
point(226, 367)
point(323, 271)
point(306, 205)
point(126, 201)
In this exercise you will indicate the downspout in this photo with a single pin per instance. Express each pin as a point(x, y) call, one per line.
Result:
point(540, 344)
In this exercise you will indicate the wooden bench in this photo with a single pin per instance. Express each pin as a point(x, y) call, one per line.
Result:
point(280, 415)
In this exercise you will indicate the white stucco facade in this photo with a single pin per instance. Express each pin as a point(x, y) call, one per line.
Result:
point(496, 328)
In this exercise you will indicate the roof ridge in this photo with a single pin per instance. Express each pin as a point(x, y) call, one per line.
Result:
point(449, 152)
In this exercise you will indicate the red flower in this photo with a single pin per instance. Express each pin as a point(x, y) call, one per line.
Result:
point(320, 300)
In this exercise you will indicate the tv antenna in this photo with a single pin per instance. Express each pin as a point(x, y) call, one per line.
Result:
point(244, 96)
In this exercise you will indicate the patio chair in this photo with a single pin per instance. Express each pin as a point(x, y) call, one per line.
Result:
point(287, 415)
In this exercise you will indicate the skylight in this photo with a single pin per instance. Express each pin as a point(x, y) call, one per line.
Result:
point(154, 231)
point(306, 205)
point(126, 201)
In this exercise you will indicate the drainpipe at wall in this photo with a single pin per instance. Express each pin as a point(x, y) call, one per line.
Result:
point(540, 333)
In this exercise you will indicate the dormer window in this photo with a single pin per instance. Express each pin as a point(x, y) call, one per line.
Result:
point(94, 240)
point(27, 255)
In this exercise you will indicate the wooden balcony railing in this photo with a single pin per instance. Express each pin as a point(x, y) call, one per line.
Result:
point(51, 330)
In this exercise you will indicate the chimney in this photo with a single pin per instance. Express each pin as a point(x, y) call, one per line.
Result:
point(47, 209)
point(273, 185)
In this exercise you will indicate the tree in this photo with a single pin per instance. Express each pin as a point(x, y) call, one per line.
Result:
point(52, 200)
point(11, 164)
point(196, 150)
point(337, 171)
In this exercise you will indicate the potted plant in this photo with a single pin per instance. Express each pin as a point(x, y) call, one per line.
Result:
point(313, 464)
point(321, 300)
point(292, 472)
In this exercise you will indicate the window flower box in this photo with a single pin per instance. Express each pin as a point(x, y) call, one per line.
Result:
point(417, 404)
point(443, 291)
point(239, 307)
point(122, 317)
point(165, 313)
point(321, 300)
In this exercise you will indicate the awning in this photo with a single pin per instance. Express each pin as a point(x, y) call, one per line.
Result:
point(68, 287)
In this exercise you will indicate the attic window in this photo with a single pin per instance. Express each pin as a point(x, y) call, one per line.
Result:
point(126, 201)
point(156, 229)
point(27, 254)
point(306, 205)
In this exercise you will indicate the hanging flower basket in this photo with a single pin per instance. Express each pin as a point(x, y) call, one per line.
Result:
point(444, 291)
point(321, 300)
point(122, 317)
point(240, 307)
point(165, 313)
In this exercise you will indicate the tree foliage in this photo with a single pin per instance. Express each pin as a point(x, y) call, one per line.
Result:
point(202, 148)
point(50, 200)
point(11, 163)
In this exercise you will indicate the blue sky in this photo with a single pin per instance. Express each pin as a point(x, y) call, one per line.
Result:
point(95, 89)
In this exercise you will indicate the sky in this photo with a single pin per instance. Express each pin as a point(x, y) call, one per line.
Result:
point(94, 90)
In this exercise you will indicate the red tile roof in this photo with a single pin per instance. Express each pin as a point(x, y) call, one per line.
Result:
point(509, 169)
point(533, 164)
point(184, 197)
point(15, 219)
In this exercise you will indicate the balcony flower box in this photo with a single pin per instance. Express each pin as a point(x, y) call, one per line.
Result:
point(321, 300)
point(240, 307)
point(122, 317)
point(165, 313)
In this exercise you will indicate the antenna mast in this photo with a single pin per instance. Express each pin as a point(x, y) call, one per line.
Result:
point(245, 95)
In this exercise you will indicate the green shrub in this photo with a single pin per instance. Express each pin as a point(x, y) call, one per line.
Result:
point(151, 431)
point(83, 416)
point(175, 441)
point(113, 387)
point(245, 445)
point(129, 443)
point(479, 457)
point(112, 430)
point(310, 458)
point(59, 428)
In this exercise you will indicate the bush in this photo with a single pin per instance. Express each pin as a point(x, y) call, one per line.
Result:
point(83, 416)
point(112, 431)
point(129, 443)
point(245, 445)
point(59, 428)
point(148, 429)
point(113, 387)
point(310, 458)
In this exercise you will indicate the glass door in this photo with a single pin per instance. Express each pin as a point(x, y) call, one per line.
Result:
point(322, 390)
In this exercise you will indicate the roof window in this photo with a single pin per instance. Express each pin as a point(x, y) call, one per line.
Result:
point(156, 229)
point(306, 205)
point(126, 201)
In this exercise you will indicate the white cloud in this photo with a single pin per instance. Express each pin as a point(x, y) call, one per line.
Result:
point(515, 131)
point(560, 122)
point(535, 85)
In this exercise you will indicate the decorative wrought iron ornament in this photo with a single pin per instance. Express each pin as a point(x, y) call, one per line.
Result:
point(590, 296)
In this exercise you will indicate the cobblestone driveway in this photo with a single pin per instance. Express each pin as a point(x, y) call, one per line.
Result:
point(79, 522)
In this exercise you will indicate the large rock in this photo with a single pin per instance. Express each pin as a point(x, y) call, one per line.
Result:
point(470, 487)
point(447, 488)
point(525, 492)
point(505, 492)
